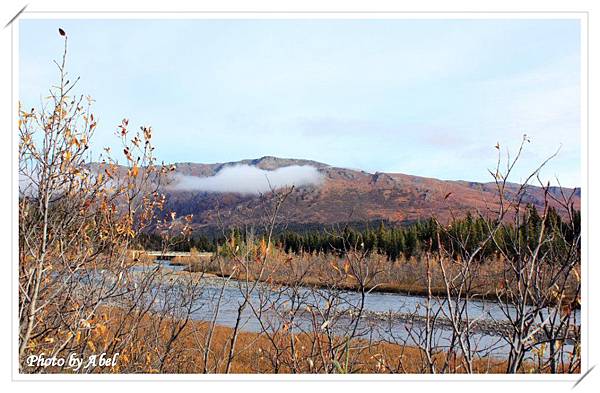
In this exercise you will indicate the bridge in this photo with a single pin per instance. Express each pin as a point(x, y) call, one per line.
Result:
point(170, 254)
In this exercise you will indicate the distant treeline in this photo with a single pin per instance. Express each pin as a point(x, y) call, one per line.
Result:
point(460, 237)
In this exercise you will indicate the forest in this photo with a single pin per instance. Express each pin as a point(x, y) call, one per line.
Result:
point(391, 239)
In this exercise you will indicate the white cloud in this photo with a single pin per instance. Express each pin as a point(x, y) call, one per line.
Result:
point(246, 179)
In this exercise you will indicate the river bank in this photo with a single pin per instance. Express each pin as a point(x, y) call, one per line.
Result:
point(481, 292)
point(260, 353)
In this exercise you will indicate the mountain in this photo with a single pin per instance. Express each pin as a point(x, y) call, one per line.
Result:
point(343, 195)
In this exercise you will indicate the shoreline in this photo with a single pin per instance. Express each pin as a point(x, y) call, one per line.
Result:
point(383, 288)
point(310, 282)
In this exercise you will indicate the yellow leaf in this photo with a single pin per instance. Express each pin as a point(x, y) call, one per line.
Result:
point(134, 171)
point(100, 329)
point(333, 265)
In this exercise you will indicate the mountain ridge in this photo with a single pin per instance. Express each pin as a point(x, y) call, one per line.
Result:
point(345, 195)
point(272, 162)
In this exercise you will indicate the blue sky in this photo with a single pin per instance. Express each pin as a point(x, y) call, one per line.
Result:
point(423, 97)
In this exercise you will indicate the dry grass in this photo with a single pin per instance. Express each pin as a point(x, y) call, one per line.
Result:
point(405, 276)
point(255, 353)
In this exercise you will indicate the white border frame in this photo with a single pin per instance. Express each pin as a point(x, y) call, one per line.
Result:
point(583, 17)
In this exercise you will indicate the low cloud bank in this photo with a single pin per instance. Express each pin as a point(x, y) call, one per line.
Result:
point(246, 179)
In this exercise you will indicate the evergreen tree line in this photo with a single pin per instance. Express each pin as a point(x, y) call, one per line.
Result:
point(460, 238)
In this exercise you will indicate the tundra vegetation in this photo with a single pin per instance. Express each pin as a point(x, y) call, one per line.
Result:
point(85, 289)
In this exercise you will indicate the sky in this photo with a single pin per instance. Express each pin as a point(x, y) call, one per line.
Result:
point(423, 97)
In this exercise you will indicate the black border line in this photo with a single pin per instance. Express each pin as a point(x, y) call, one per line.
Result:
point(15, 17)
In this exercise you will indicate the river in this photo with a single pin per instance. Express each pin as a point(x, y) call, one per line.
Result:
point(385, 316)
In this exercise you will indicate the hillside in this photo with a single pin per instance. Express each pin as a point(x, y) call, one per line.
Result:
point(344, 195)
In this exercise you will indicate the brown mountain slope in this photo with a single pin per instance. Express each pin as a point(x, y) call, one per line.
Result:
point(344, 195)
